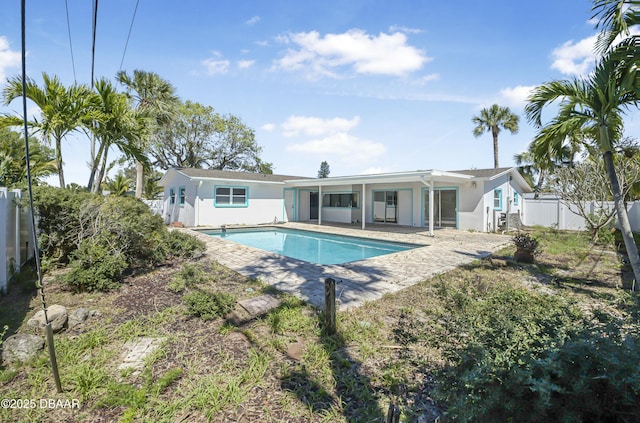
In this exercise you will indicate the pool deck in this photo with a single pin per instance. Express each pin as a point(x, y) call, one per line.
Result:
point(359, 281)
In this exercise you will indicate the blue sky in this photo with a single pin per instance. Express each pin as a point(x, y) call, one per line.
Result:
point(369, 86)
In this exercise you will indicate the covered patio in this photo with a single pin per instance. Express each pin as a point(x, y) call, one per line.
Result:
point(424, 199)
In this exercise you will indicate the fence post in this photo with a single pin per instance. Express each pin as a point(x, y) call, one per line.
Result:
point(330, 305)
point(4, 234)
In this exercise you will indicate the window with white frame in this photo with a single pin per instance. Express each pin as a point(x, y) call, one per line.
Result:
point(497, 199)
point(515, 198)
point(181, 195)
point(227, 196)
point(172, 195)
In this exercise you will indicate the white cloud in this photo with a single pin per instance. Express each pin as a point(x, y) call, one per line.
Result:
point(575, 58)
point(8, 57)
point(269, 127)
point(245, 64)
point(423, 80)
point(314, 126)
point(405, 29)
point(342, 146)
point(216, 65)
point(385, 54)
point(254, 20)
point(517, 96)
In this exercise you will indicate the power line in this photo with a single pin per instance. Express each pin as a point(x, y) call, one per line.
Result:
point(129, 35)
point(73, 64)
point(93, 39)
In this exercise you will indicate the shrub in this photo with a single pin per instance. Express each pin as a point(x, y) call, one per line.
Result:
point(529, 357)
point(104, 236)
point(182, 245)
point(95, 268)
point(209, 305)
point(58, 212)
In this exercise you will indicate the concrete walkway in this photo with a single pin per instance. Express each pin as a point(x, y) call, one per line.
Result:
point(359, 281)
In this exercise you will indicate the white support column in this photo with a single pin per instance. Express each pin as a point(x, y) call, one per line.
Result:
point(319, 205)
point(431, 208)
point(362, 205)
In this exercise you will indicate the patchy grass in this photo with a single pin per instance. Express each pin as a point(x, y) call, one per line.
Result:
point(242, 369)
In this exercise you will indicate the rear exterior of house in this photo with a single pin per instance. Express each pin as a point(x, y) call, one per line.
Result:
point(203, 197)
point(477, 199)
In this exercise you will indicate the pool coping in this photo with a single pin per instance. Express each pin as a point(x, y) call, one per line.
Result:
point(359, 281)
point(400, 245)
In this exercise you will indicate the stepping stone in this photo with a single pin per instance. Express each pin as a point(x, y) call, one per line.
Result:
point(135, 351)
point(260, 305)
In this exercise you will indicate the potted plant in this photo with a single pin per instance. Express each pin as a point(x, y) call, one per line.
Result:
point(526, 247)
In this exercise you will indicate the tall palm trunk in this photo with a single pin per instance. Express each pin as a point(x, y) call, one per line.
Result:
point(621, 210)
point(541, 177)
point(494, 132)
point(59, 162)
point(139, 179)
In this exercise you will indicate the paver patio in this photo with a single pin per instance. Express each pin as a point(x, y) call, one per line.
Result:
point(359, 281)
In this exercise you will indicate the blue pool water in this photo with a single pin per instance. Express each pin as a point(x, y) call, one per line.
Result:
point(310, 246)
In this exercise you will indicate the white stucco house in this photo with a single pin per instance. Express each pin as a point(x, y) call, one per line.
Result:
point(475, 199)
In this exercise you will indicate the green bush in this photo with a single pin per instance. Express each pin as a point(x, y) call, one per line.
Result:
point(104, 236)
point(528, 357)
point(95, 268)
point(58, 212)
point(209, 305)
point(182, 245)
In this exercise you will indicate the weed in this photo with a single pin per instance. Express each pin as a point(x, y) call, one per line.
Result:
point(209, 305)
point(189, 276)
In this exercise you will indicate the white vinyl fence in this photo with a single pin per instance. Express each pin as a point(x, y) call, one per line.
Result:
point(552, 212)
point(14, 235)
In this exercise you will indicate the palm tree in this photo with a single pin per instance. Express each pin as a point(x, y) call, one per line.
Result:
point(114, 123)
point(615, 18)
point(13, 160)
point(493, 120)
point(120, 185)
point(155, 98)
point(62, 110)
point(592, 106)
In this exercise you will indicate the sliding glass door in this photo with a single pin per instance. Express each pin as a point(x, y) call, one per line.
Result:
point(385, 206)
point(445, 208)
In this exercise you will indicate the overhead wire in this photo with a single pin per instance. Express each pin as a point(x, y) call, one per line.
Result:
point(73, 63)
point(93, 39)
point(129, 34)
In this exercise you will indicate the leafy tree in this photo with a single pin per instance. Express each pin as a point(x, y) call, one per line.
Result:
point(324, 170)
point(200, 138)
point(62, 110)
point(586, 190)
point(593, 106)
point(114, 124)
point(186, 142)
point(493, 120)
point(13, 162)
point(153, 97)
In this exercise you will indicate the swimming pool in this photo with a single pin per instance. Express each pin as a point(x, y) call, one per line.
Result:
point(314, 247)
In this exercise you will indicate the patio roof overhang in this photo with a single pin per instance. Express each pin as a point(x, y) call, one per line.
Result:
point(424, 176)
